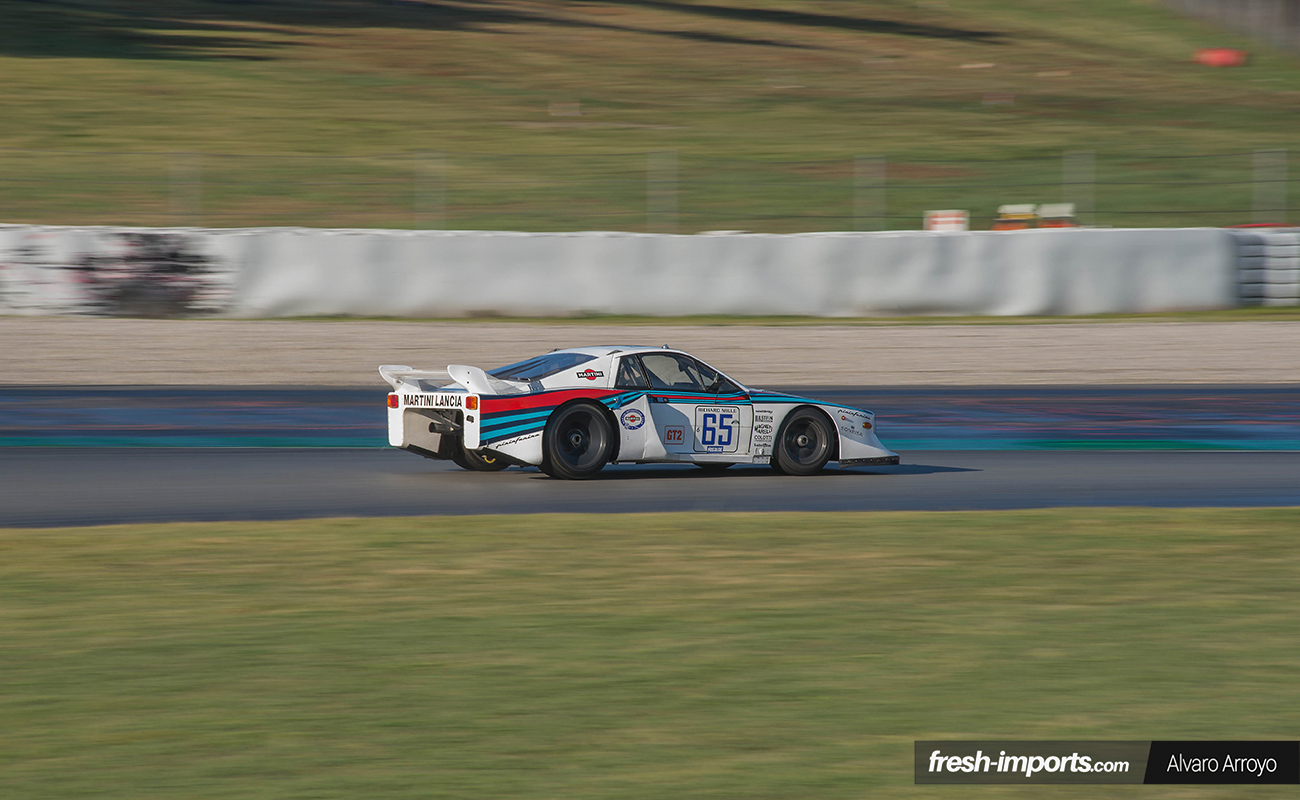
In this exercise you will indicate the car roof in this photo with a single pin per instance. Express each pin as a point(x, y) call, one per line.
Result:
point(609, 350)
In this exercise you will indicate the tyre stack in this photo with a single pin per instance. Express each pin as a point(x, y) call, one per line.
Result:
point(1268, 267)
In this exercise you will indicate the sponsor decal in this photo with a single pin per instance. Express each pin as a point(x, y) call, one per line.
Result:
point(434, 400)
point(763, 441)
point(632, 419)
point(762, 427)
point(762, 416)
point(674, 434)
point(517, 439)
point(591, 374)
point(854, 423)
point(716, 428)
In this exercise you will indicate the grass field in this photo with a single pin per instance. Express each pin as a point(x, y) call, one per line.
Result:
point(545, 115)
point(677, 655)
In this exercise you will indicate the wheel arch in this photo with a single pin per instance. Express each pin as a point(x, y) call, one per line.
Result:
point(616, 437)
point(785, 419)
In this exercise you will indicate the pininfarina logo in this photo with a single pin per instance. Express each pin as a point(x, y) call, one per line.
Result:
point(591, 374)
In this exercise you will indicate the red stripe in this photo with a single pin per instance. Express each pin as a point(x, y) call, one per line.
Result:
point(496, 405)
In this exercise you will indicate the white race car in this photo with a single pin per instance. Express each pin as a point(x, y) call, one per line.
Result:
point(570, 412)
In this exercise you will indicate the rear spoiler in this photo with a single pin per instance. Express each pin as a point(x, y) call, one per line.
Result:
point(399, 375)
point(472, 379)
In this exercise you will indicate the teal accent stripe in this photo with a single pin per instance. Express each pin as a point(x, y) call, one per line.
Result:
point(790, 398)
point(502, 433)
point(507, 420)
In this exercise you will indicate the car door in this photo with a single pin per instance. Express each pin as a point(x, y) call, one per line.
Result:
point(725, 426)
point(689, 416)
point(638, 437)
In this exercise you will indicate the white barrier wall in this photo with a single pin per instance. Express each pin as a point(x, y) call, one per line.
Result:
point(302, 272)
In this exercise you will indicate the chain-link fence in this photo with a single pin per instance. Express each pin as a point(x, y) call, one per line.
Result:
point(662, 191)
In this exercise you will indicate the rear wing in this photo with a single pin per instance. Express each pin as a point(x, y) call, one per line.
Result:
point(419, 380)
point(455, 378)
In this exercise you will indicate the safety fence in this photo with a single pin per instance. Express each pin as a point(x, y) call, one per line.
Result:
point(661, 191)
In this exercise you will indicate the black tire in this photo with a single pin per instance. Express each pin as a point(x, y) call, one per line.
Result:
point(805, 443)
point(475, 461)
point(577, 442)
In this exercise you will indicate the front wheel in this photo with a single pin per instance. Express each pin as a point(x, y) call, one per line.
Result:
point(805, 443)
point(577, 443)
point(475, 461)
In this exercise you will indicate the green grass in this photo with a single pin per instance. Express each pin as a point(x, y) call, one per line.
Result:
point(679, 655)
point(544, 111)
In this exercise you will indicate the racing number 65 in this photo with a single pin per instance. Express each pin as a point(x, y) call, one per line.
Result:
point(716, 430)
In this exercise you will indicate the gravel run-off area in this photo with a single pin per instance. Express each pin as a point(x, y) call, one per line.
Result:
point(92, 351)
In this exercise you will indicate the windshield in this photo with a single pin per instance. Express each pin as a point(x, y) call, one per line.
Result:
point(534, 369)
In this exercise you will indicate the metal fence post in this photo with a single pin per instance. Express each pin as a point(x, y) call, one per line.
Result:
point(661, 191)
point(1079, 184)
point(869, 211)
point(1270, 186)
point(187, 189)
point(429, 204)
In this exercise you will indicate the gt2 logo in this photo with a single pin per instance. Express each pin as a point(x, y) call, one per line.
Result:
point(674, 435)
point(591, 374)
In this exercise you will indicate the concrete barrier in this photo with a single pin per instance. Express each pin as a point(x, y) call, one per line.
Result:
point(307, 272)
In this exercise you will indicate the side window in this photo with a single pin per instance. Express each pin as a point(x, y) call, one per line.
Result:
point(713, 381)
point(630, 374)
point(707, 376)
point(725, 386)
point(671, 371)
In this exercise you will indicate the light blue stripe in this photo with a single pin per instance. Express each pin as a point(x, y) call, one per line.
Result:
point(497, 435)
point(515, 419)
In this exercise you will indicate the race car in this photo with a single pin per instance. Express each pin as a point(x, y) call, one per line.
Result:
point(571, 412)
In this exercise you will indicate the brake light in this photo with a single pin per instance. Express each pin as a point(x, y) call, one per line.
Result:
point(471, 403)
point(392, 401)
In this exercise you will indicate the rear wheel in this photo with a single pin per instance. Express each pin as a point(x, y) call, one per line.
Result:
point(578, 442)
point(805, 443)
point(475, 461)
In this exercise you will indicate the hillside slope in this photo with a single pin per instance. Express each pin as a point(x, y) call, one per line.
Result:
point(577, 93)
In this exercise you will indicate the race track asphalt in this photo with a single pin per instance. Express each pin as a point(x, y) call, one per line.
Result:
point(95, 455)
point(84, 486)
